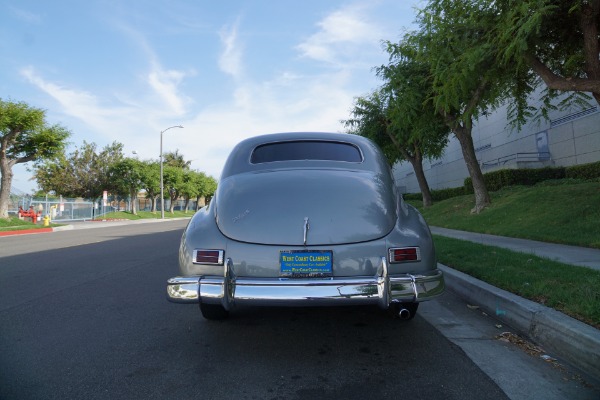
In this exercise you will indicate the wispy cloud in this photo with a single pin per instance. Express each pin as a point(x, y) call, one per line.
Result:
point(25, 15)
point(230, 60)
point(163, 82)
point(165, 85)
point(86, 108)
point(75, 103)
point(340, 34)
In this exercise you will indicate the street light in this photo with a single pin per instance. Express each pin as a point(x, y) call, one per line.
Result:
point(162, 196)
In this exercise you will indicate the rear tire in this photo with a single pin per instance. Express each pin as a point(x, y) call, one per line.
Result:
point(214, 312)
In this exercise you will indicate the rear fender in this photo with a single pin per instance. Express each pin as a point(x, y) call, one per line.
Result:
point(412, 230)
point(201, 232)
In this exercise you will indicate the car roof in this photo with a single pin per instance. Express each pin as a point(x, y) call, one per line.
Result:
point(239, 158)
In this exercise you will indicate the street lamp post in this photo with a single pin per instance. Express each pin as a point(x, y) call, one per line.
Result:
point(162, 196)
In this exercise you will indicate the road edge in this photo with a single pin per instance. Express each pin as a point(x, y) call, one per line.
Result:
point(570, 339)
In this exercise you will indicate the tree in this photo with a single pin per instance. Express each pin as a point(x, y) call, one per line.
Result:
point(396, 119)
point(557, 39)
point(173, 183)
point(83, 173)
point(178, 183)
point(126, 177)
point(174, 159)
point(197, 185)
point(189, 187)
point(203, 184)
point(210, 188)
point(399, 114)
point(453, 40)
point(151, 180)
point(25, 136)
point(207, 186)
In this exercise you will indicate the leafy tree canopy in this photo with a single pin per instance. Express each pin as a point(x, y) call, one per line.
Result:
point(558, 40)
point(25, 136)
point(175, 159)
point(127, 178)
point(83, 173)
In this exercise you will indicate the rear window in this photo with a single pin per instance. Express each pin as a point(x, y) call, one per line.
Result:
point(306, 150)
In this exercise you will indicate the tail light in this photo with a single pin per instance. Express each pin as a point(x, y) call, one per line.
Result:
point(404, 254)
point(213, 257)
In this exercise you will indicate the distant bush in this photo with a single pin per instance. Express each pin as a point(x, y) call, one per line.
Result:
point(584, 171)
point(437, 195)
point(496, 180)
point(412, 196)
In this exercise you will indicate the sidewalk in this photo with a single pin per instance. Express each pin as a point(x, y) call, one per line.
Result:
point(581, 256)
point(566, 337)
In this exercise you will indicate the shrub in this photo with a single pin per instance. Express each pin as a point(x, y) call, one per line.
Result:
point(496, 180)
point(584, 171)
point(437, 195)
point(502, 178)
point(412, 196)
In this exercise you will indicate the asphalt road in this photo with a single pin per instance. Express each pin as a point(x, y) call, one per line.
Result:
point(83, 314)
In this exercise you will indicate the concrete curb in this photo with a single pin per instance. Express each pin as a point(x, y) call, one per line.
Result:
point(25, 231)
point(568, 338)
point(62, 228)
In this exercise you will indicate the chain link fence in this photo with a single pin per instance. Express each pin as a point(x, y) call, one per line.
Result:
point(65, 209)
point(58, 209)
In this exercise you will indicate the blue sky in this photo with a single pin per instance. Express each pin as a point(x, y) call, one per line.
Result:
point(124, 70)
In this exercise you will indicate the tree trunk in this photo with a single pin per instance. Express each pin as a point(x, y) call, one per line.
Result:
point(5, 183)
point(482, 197)
point(173, 198)
point(590, 17)
point(417, 163)
point(133, 195)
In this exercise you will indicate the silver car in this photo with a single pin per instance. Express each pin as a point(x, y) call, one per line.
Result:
point(306, 219)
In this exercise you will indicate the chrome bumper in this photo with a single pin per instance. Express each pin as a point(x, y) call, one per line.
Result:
point(381, 289)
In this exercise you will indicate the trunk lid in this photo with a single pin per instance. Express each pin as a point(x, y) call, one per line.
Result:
point(270, 207)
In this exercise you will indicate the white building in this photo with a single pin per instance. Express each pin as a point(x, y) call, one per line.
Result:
point(569, 138)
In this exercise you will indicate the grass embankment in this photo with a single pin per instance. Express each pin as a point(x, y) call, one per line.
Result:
point(572, 290)
point(15, 224)
point(551, 212)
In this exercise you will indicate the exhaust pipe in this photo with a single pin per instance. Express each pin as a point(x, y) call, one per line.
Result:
point(404, 313)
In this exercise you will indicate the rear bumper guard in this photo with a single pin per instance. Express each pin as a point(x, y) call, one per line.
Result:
point(381, 289)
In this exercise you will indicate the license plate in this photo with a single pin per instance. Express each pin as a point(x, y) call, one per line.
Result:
point(306, 263)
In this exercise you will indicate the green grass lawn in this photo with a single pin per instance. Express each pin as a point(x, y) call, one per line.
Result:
point(15, 224)
point(573, 290)
point(555, 212)
point(550, 212)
